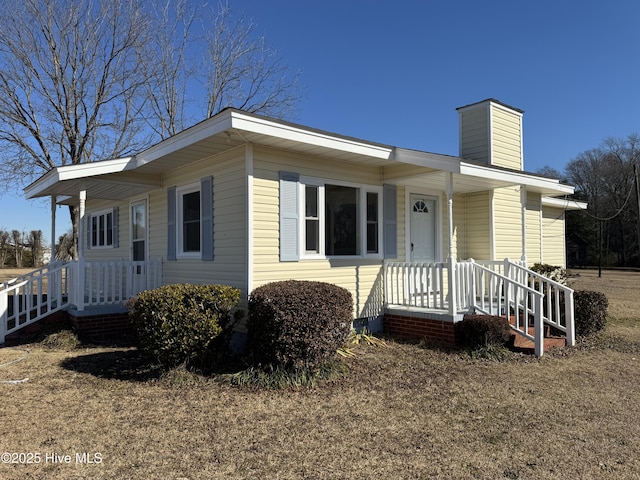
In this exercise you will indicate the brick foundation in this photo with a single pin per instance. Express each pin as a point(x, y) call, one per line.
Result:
point(101, 325)
point(440, 331)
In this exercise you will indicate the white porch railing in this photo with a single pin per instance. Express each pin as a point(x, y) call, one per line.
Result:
point(107, 283)
point(28, 298)
point(558, 307)
point(416, 284)
point(509, 289)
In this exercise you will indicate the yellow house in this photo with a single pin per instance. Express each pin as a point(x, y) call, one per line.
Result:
point(244, 200)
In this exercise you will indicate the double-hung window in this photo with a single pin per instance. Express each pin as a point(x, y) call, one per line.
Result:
point(340, 219)
point(188, 221)
point(101, 229)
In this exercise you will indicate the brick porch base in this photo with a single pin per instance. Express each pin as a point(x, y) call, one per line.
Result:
point(440, 331)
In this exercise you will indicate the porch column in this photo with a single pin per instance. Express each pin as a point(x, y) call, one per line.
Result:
point(453, 304)
point(53, 229)
point(523, 203)
point(79, 289)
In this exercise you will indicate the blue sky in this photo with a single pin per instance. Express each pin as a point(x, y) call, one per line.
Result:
point(394, 72)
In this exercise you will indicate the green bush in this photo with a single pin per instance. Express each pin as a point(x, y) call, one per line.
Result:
point(480, 331)
point(552, 272)
point(590, 311)
point(180, 324)
point(298, 324)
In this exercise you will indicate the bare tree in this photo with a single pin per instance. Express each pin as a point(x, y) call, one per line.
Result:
point(604, 176)
point(18, 247)
point(243, 72)
point(71, 84)
point(64, 248)
point(37, 248)
point(84, 81)
point(4, 247)
point(221, 59)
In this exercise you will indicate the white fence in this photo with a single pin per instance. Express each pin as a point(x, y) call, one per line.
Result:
point(28, 298)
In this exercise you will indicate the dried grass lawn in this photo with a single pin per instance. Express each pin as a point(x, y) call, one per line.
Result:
point(405, 411)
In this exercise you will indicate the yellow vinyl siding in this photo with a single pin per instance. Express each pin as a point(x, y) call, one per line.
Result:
point(229, 266)
point(553, 236)
point(506, 138)
point(534, 244)
point(362, 277)
point(474, 142)
point(507, 223)
point(478, 226)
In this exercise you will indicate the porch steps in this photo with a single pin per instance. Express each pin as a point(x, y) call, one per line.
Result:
point(524, 345)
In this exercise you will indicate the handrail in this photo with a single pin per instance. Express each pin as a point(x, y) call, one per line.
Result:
point(29, 297)
point(556, 294)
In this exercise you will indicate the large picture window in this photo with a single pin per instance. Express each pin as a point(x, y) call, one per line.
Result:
point(340, 220)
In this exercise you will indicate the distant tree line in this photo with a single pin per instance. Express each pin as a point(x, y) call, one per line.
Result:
point(606, 177)
point(21, 250)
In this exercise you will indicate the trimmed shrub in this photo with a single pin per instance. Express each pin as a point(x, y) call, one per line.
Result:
point(480, 331)
point(179, 324)
point(298, 324)
point(552, 272)
point(590, 311)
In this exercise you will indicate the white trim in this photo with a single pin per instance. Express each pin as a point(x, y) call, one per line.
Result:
point(490, 135)
point(363, 189)
point(132, 204)
point(515, 178)
point(75, 172)
point(105, 212)
point(308, 136)
point(492, 226)
point(250, 232)
point(564, 203)
point(437, 196)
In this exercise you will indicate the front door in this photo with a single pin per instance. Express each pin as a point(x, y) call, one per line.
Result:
point(422, 233)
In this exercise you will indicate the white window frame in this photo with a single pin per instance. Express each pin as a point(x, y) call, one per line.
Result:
point(180, 193)
point(141, 201)
point(101, 213)
point(363, 189)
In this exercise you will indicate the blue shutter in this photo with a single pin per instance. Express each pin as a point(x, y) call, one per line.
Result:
point(390, 212)
point(171, 223)
point(116, 230)
point(206, 217)
point(289, 222)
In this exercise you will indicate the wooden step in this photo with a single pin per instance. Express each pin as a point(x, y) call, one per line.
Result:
point(523, 344)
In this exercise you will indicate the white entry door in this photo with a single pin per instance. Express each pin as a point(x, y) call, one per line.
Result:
point(422, 235)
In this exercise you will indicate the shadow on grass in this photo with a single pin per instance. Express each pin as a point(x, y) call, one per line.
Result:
point(129, 365)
